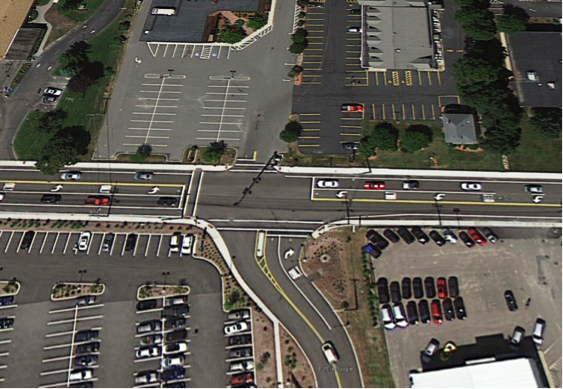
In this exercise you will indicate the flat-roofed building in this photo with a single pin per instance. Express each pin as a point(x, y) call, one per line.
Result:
point(13, 14)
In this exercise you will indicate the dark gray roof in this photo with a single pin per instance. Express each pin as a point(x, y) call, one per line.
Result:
point(460, 128)
point(540, 52)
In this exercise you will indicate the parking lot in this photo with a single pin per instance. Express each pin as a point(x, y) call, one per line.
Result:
point(524, 261)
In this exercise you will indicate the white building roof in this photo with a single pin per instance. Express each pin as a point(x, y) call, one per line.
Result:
point(514, 373)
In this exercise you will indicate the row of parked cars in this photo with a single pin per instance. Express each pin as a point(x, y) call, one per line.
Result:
point(240, 350)
point(6, 322)
point(469, 238)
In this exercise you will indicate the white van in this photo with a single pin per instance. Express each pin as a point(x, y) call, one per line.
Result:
point(105, 189)
point(390, 196)
point(539, 329)
point(168, 11)
point(329, 353)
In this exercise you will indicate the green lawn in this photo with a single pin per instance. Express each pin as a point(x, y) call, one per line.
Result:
point(79, 15)
point(29, 141)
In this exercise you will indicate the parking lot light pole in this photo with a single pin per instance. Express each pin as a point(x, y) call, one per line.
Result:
point(165, 274)
point(81, 272)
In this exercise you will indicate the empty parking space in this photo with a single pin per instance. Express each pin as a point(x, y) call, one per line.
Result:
point(188, 51)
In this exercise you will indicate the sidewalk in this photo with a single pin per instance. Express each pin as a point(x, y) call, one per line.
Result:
point(41, 20)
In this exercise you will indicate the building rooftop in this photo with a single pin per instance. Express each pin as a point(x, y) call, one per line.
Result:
point(460, 128)
point(12, 16)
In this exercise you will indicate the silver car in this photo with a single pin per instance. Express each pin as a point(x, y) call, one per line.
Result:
point(471, 186)
point(327, 183)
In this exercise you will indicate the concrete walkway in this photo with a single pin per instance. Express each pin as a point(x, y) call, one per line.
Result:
point(41, 20)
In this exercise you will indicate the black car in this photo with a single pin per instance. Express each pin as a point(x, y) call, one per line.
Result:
point(420, 235)
point(424, 311)
point(383, 290)
point(405, 235)
point(8, 300)
point(406, 288)
point(6, 322)
point(460, 311)
point(510, 301)
point(91, 347)
point(437, 238)
point(412, 313)
point(417, 288)
point(389, 234)
point(176, 336)
point(176, 310)
point(131, 241)
point(108, 241)
point(314, 5)
point(377, 239)
point(395, 292)
point(145, 305)
point(453, 287)
point(27, 239)
point(350, 146)
point(85, 360)
point(448, 306)
point(244, 352)
point(168, 201)
point(51, 199)
point(355, 11)
point(83, 336)
point(430, 287)
point(174, 322)
point(240, 340)
point(490, 235)
point(466, 239)
point(173, 373)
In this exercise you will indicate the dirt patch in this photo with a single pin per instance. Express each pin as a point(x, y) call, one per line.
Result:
point(347, 264)
point(264, 350)
point(61, 25)
point(297, 371)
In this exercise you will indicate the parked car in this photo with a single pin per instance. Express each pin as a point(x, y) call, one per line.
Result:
point(187, 244)
point(417, 288)
point(81, 375)
point(49, 99)
point(390, 235)
point(538, 331)
point(377, 239)
point(387, 317)
point(430, 350)
point(354, 29)
point(374, 185)
point(355, 11)
point(85, 360)
point(143, 176)
point(148, 352)
point(466, 239)
point(449, 235)
point(175, 348)
point(412, 313)
point(91, 347)
point(108, 241)
point(86, 335)
point(400, 315)
point(85, 300)
point(429, 287)
point(240, 380)
point(71, 176)
point(145, 305)
point(442, 288)
point(405, 235)
point(424, 311)
point(406, 289)
point(168, 201)
point(395, 292)
point(477, 237)
point(247, 365)
point(131, 242)
point(6, 300)
point(173, 373)
point(151, 339)
point(176, 300)
point(177, 335)
point(460, 308)
point(410, 185)
point(27, 239)
point(146, 377)
point(176, 310)
point(436, 310)
point(175, 242)
point(437, 238)
point(383, 290)
point(314, 5)
point(53, 91)
point(84, 240)
point(372, 250)
point(173, 360)
point(51, 199)
point(420, 235)
point(174, 322)
point(327, 183)
point(239, 340)
point(471, 186)
point(449, 313)
point(490, 235)
point(517, 336)
point(6, 322)
point(149, 326)
point(243, 352)
point(236, 328)
point(453, 287)
point(510, 301)
point(349, 146)
point(241, 314)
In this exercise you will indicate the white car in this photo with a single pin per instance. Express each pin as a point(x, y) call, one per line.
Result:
point(471, 186)
point(534, 189)
point(173, 348)
point(236, 328)
point(241, 366)
point(327, 183)
point(187, 244)
point(532, 75)
point(53, 91)
point(146, 377)
point(79, 375)
point(175, 242)
point(148, 352)
point(71, 176)
point(295, 273)
point(539, 329)
point(329, 353)
point(387, 317)
point(172, 361)
point(400, 316)
point(354, 29)
point(84, 240)
point(2, 196)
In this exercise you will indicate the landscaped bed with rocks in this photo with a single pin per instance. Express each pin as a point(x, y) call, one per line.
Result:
point(297, 371)
point(72, 290)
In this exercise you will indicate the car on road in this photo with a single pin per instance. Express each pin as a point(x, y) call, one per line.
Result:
point(460, 308)
point(383, 290)
point(148, 352)
point(173, 360)
point(51, 199)
point(86, 335)
point(411, 185)
point(145, 305)
point(6, 322)
point(176, 310)
point(376, 238)
point(146, 377)
point(400, 315)
point(406, 288)
point(49, 99)
point(391, 236)
point(449, 235)
point(437, 238)
point(187, 244)
point(517, 336)
point(471, 186)
point(240, 380)
point(429, 287)
point(453, 287)
point(405, 235)
point(448, 306)
point(84, 240)
point(243, 352)
point(295, 273)
point(177, 335)
point(417, 288)
point(354, 29)
point(71, 176)
point(174, 322)
point(395, 292)
point(151, 339)
point(436, 310)
point(168, 201)
point(420, 235)
point(538, 331)
point(143, 176)
point(80, 375)
point(490, 235)
point(2, 196)
point(240, 340)
point(372, 250)
point(374, 185)
point(241, 314)
point(430, 350)
point(175, 348)
point(97, 200)
point(352, 107)
point(236, 328)
point(85, 300)
point(91, 347)
point(477, 237)
point(27, 239)
point(85, 360)
point(149, 326)
point(327, 183)
point(53, 91)
point(442, 288)
point(467, 241)
point(510, 301)
point(534, 189)
point(108, 241)
point(329, 352)
point(131, 242)
point(424, 311)
point(412, 313)
point(387, 318)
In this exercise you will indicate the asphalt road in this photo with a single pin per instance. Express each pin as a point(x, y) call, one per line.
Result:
point(14, 109)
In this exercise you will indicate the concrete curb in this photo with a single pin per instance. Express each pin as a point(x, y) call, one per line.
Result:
point(126, 166)
point(163, 295)
point(9, 283)
point(75, 297)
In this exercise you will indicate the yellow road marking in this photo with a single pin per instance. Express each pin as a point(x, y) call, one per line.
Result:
point(337, 375)
point(309, 146)
point(404, 114)
point(310, 114)
point(310, 122)
point(355, 71)
point(394, 114)
point(91, 183)
point(350, 126)
point(373, 110)
point(442, 202)
point(429, 79)
point(413, 113)
point(311, 129)
point(419, 78)
point(349, 134)
point(433, 113)
point(385, 76)
point(353, 51)
point(439, 79)
point(308, 49)
point(309, 137)
point(423, 113)
point(383, 110)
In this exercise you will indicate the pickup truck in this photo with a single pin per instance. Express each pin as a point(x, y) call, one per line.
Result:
point(97, 200)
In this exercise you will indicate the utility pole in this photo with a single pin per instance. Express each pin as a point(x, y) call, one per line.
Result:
point(273, 161)
point(438, 206)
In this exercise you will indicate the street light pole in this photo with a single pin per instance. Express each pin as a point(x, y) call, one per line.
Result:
point(165, 274)
point(274, 159)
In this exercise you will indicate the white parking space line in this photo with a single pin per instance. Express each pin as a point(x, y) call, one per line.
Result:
point(43, 244)
point(90, 243)
point(66, 244)
point(32, 241)
point(146, 359)
point(147, 137)
point(55, 359)
point(221, 131)
point(230, 101)
point(226, 116)
point(146, 128)
point(136, 245)
point(194, 213)
point(113, 245)
point(55, 243)
point(159, 244)
point(5, 341)
point(213, 139)
point(226, 108)
point(101, 243)
point(153, 121)
point(221, 124)
point(9, 240)
point(4, 354)
point(54, 311)
point(20, 244)
point(6, 330)
point(8, 307)
point(154, 98)
point(148, 245)
point(65, 321)
point(123, 248)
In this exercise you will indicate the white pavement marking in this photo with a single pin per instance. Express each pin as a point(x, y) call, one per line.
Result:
point(71, 346)
point(227, 108)
point(218, 130)
point(136, 245)
point(113, 245)
point(5, 341)
point(220, 101)
point(155, 108)
point(213, 139)
point(65, 321)
point(101, 243)
point(194, 213)
point(159, 243)
point(148, 244)
point(9, 240)
point(66, 244)
point(32, 241)
point(63, 310)
point(20, 244)
point(43, 244)
point(90, 244)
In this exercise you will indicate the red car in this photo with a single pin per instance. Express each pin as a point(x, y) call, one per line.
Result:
point(436, 310)
point(353, 107)
point(375, 185)
point(442, 288)
point(241, 379)
point(97, 200)
point(477, 237)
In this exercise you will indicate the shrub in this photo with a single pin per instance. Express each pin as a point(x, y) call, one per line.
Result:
point(291, 132)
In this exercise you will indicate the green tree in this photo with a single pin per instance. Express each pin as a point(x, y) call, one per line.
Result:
point(145, 150)
point(468, 71)
point(291, 132)
point(79, 83)
point(257, 21)
point(416, 137)
point(231, 35)
point(52, 121)
point(298, 47)
point(384, 137)
point(78, 136)
point(295, 71)
point(477, 23)
point(500, 141)
point(300, 35)
point(511, 24)
point(71, 4)
point(302, 3)
point(77, 53)
point(56, 154)
point(125, 25)
point(214, 152)
point(546, 122)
